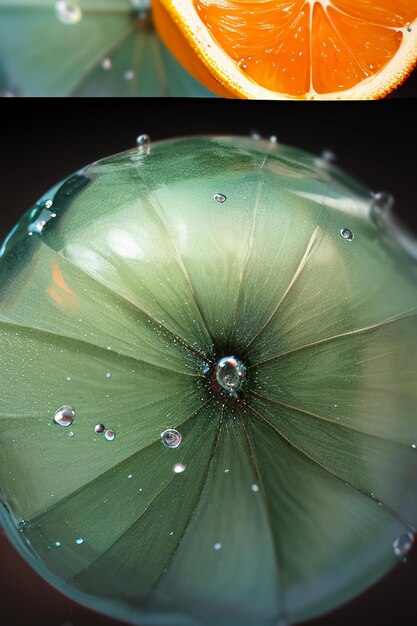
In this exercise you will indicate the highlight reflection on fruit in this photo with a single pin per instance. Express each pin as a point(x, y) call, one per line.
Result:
point(208, 390)
point(293, 49)
point(86, 48)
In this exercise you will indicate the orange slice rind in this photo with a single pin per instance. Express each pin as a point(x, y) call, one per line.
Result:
point(293, 49)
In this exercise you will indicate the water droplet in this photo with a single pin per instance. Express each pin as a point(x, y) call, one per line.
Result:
point(108, 375)
point(179, 468)
point(71, 434)
point(65, 416)
point(273, 139)
point(68, 12)
point(347, 234)
point(48, 204)
point(230, 373)
point(130, 476)
point(57, 544)
point(383, 201)
point(217, 546)
point(328, 156)
point(220, 197)
point(171, 438)
point(42, 218)
point(106, 64)
point(99, 428)
point(255, 488)
point(79, 541)
point(143, 143)
point(414, 446)
point(403, 544)
point(110, 434)
point(255, 135)
point(129, 75)
point(226, 471)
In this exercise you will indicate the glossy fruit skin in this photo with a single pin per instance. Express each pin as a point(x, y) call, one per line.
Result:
point(112, 50)
point(119, 293)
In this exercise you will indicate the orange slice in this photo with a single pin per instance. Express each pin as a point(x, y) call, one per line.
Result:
point(293, 49)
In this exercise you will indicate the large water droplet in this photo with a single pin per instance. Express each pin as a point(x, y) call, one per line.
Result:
point(403, 544)
point(68, 12)
point(65, 416)
point(171, 438)
point(230, 373)
point(110, 434)
point(347, 234)
point(99, 428)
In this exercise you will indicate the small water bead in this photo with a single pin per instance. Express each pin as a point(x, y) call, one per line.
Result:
point(414, 446)
point(273, 139)
point(71, 434)
point(108, 375)
point(99, 428)
point(68, 12)
point(79, 541)
point(171, 438)
point(328, 156)
point(43, 217)
point(143, 143)
point(347, 234)
point(255, 488)
point(230, 373)
point(220, 197)
point(129, 75)
point(383, 200)
point(57, 544)
point(217, 546)
point(130, 476)
point(110, 434)
point(106, 64)
point(403, 544)
point(65, 416)
point(179, 468)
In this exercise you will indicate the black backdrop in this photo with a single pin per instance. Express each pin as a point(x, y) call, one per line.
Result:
point(42, 141)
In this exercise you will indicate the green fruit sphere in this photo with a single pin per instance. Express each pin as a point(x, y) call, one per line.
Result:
point(208, 350)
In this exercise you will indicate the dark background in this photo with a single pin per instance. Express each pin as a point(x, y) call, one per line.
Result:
point(43, 141)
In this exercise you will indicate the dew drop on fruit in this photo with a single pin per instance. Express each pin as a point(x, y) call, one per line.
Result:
point(179, 468)
point(65, 416)
point(171, 438)
point(68, 12)
point(79, 541)
point(383, 201)
point(403, 544)
point(220, 197)
point(99, 428)
point(110, 434)
point(230, 373)
point(347, 234)
point(143, 143)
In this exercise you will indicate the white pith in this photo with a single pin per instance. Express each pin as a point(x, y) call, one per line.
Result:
point(228, 73)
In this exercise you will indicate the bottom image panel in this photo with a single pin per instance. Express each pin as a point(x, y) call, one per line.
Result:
point(208, 347)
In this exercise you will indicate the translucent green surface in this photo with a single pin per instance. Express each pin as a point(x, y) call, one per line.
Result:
point(119, 292)
point(86, 48)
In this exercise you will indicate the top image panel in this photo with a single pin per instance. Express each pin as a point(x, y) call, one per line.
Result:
point(257, 49)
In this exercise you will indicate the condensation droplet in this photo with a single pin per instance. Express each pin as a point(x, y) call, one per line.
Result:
point(57, 544)
point(65, 416)
point(217, 546)
point(273, 139)
point(43, 217)
point(171, 438)
point(255, 135)
point(414, 446)
point(79, 541)
point(71, 434)
point(130, 476)
point(328, 156)
point(108, 375)
point(383, 200)
point(110, 434)
point(230, 373)
point(347, 234)
point(106, 64)
point(129, 75)
point(403, 544)
point(143, 143)
point(220, 197)
point(68, 12)
point(179, 468)
point(99, 428)
point(255, 487)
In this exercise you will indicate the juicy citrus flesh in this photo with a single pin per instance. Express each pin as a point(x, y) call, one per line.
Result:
point(299, 47)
